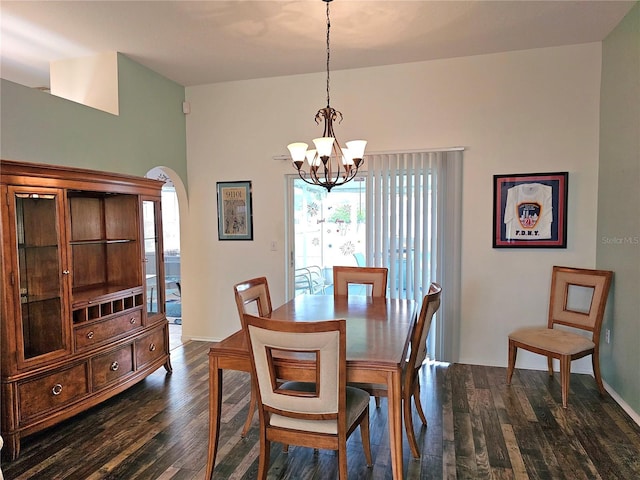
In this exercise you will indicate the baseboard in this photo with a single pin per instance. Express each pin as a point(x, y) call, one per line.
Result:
point(625, 406)
point(203, 339)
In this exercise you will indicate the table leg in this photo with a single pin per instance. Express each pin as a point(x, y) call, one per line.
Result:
point(215, 403)
point(394, 400)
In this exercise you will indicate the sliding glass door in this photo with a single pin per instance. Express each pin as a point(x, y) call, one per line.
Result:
point(325, 229)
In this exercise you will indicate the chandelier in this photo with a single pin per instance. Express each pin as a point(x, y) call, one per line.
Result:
point(329, 164)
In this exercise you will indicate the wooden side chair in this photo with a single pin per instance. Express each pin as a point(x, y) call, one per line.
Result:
point(410, 380)
point(252, 296)
point(578, 299)
point(318, 414)
point(374, 278)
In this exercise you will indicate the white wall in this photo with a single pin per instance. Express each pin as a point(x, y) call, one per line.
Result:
point(519, 112)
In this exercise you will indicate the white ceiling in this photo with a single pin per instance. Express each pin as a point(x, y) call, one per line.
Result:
point(200, 42)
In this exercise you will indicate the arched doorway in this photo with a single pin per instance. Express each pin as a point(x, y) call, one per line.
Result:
point(171, 247)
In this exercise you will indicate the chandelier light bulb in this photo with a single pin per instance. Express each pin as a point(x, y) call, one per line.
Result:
point(312, 160)
point(324, 145)
point(356, 147)
point(298, 151)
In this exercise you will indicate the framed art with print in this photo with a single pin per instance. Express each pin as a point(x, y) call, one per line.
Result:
point(530, 210)
point(235, 214)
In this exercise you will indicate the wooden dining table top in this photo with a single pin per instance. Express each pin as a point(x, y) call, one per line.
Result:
point(376, 327)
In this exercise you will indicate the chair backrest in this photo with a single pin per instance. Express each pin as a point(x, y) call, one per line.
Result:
point(252, 296)
point(321, 343)
point(430, 305)
point(376, 277)
point(578, 298)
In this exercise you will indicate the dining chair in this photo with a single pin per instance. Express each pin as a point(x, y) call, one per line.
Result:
point(412, 366)
point(252, 296)
point(319, 414)
point(374, 278)
point(578, 298)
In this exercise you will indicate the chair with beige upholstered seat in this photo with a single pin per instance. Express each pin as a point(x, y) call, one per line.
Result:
point(578, 299)
point(319, 414)
point(410, 380)
point(375, 278)
point(252, 296)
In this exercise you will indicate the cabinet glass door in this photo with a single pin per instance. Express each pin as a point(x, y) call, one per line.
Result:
point(154, 279)
point(40, 272)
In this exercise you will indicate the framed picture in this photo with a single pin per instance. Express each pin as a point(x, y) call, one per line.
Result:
point(235, 214)
point(530, 210)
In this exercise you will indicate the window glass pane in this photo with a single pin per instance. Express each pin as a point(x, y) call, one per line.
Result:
point(151, 255)
point(330, 230)
point(39, 273)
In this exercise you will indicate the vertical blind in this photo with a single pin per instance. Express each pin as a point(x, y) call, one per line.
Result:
point(413, 229)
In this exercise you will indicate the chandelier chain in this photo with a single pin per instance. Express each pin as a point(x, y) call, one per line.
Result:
point(328, 53)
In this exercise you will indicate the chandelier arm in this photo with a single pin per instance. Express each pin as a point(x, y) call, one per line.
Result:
point(303, 175)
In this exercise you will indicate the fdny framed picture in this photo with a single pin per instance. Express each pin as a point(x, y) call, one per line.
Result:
point(530, 210)
point(235, 215)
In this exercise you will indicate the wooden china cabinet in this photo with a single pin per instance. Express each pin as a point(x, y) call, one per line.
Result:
point(82, 313)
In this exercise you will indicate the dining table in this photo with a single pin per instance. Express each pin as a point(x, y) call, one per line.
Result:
point(378, 337)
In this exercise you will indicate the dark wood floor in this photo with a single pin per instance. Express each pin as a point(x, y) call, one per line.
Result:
point(478, 429)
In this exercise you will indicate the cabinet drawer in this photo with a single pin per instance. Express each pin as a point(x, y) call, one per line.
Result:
point(54, 390)
point(150, 347)
point(109, 329)
point(111, 366)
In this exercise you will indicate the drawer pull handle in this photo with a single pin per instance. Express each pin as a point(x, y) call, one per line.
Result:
point(65, 272)
point(90, 335)
point(132, 320)
point(152, 347)
point(57, 389)
point(114, 366)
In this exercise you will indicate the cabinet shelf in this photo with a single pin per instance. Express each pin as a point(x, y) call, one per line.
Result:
point(102, 241)
point(24, 246)
point(97, 293)
point(30, 299)
point(99, 302)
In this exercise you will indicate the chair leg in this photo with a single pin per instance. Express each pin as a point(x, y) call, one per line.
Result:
point(408, 422)
point(550, 366)
point(565, 373)
point(377, 402)
point(252, 408)
point(342, 459)
point(366, 440)
point(513, 353)
point(265, 454)
point(416, 399)
point(595, 361)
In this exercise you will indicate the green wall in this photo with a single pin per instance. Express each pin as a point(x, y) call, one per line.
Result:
point(150, 130)
point(619, 205)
